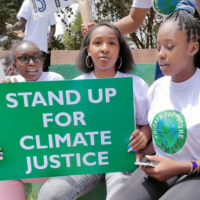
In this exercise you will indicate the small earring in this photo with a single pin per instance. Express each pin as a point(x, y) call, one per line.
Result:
point(120, 63)
point(89, 66)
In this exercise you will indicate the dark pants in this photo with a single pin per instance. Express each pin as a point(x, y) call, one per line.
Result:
point(47, 60)
point(158, 73)
point(142, 187)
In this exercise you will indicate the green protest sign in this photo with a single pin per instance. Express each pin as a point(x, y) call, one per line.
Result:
point(66, 128)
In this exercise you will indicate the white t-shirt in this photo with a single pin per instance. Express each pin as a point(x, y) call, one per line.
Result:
point(36, 30)
point(162, 7)
point(174, 117)
point(46, 76)
point(140, 89)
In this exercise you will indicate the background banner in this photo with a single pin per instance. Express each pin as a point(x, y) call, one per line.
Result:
point(41, 8)
point(66, 127)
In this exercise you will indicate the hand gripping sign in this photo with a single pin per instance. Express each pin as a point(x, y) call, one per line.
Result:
point(86, 12)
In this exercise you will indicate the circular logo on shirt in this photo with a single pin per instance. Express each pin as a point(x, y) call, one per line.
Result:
point(165, 7)
point(169, 131)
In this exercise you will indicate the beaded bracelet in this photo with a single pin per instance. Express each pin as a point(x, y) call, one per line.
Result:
point(191, 168)
point(194, 168)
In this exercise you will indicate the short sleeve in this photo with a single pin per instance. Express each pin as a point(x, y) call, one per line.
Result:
point(52, 20)
point(25, 11)
point(140, 89)
point(58, 77)
point(142, 3)
point(50, 76)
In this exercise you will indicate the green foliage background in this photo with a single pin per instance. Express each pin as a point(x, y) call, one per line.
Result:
point(8, 13)
point(111, 11)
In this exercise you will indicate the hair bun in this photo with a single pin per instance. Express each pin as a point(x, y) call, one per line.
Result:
point(186, 5)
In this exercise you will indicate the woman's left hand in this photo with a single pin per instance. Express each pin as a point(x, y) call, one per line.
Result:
point(139, 141)
point(9, 80)
point(166, 169)
point(1, 155)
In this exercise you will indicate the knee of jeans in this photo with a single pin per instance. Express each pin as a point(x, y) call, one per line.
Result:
point(57, 189)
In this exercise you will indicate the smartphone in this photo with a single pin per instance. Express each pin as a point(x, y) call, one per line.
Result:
point(2, 74)
point(148, 163)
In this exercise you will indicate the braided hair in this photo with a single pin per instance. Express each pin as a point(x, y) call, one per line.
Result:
point(188, 19)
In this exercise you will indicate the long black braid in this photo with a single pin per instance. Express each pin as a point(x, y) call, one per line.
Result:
point(191, 24)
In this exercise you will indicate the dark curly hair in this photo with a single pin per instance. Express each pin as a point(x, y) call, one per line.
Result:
point(125, 52)
point(190, 23)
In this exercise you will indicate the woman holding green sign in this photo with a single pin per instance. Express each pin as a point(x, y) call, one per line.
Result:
point(104, 54)
point(28, 60)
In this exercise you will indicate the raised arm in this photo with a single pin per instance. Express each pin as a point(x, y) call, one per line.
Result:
point(132, 22)
point(126, 25)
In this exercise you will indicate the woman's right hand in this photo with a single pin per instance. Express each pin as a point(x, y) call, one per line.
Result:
point(9, 80)
point(1, 155)
point(85, 28)
point(19, 34)
point(166, 169)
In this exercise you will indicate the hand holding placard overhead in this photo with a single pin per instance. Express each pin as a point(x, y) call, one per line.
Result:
point(86, 12)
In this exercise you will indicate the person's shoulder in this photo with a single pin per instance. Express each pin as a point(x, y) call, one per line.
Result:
point(161, 82)
point(26, 3)
point(19, 78)
point(137, 81)
point(198, 70)
point(50, 76)
point(25, 10)
point(80, 77)
point(84, 76)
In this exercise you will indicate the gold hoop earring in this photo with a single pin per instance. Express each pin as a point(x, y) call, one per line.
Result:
point(120, 63)
point(86, 61)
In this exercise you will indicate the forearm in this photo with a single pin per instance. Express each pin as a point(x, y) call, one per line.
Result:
point(149, 149)
point(52, 31)
point(131, 22)
point(126, 25)
point(18, 26)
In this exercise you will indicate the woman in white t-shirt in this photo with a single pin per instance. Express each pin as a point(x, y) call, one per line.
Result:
point(137, 14)
point(174, 107)
point(28, 60)
point(104, 54)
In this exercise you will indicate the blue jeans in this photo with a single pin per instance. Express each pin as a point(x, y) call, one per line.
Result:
point(72, 187)
point(158, 73)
